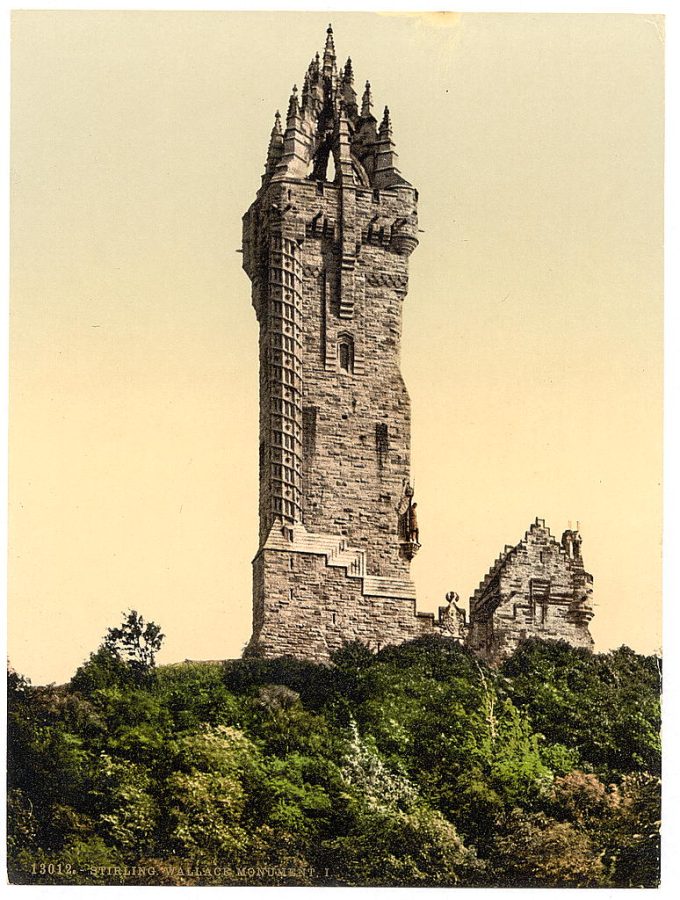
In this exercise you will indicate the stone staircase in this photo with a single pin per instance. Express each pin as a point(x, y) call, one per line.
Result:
point(339, 554)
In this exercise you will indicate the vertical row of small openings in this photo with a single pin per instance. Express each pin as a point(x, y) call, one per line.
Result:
point(346, 353)
point(261, 457)
point(382, 441)
point(309, 417)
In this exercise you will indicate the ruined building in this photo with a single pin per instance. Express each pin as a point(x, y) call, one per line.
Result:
point(326, 245)
point(538, 588)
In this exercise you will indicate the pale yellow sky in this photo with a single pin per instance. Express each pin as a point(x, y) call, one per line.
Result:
point(533, 326)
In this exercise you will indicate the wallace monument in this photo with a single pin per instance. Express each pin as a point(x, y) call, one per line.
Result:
point(326, 245)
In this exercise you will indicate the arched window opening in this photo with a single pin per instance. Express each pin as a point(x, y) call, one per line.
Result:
point(346, 353)
point(330, 168)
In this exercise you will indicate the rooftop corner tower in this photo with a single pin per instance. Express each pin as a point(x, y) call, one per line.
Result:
point(326, 245)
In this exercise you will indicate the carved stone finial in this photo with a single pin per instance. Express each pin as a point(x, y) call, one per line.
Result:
point(329, 52)
point(386, 125)
point(275, 146)
point(293, 104)
point(348, 71)
point(453, 619)
point(367, 101)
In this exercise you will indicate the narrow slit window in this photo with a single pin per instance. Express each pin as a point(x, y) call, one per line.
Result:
point(309, 418)
point(382, 438)
point(346, 354)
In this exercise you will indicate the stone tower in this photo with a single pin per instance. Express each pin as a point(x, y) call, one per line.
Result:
point(326, 246)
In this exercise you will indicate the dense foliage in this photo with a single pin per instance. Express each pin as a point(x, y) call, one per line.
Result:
point(415, 766)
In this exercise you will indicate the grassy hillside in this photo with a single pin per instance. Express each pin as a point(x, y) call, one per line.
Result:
point(415, 766)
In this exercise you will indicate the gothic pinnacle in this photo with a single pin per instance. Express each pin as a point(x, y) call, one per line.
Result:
point(275, 145)
point(293, 105)
point(386, 124)
point(313, 68)
point(348, 72)
point(329, 53)
point(367, 101)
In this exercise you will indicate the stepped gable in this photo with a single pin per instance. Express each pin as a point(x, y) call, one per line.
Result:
point(538, 588)
point(509, 550)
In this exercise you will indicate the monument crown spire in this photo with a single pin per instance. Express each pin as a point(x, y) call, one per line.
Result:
point(314, 128)
point(329, 53)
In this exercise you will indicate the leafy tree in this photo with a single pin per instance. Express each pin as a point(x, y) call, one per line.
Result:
point(632, 834)
point(534, 850)
point(104, 669)
point(605, 705)
point(127, 813)
point(195, 694)
point(206, 797)
point(395, 838)
point(135, 641)
point(418, 765)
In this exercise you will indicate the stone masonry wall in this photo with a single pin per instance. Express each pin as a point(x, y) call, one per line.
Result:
point(345, 435)
point(328, 264)
point(316, 607)
point(352, 482)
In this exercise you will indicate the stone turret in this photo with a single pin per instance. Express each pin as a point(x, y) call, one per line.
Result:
point(313, 129)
